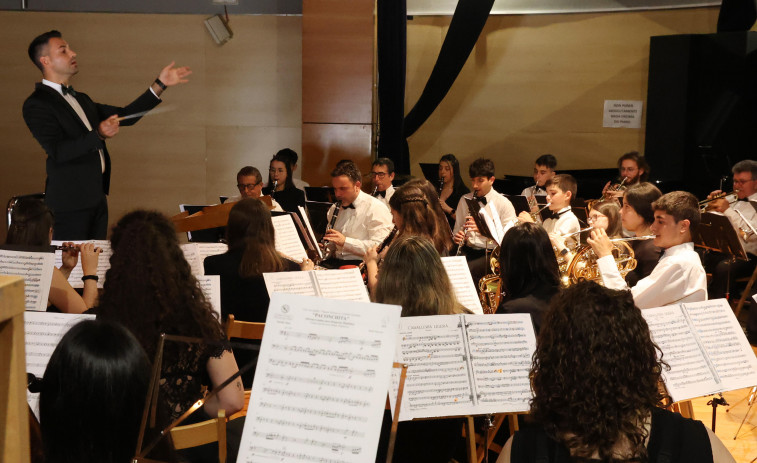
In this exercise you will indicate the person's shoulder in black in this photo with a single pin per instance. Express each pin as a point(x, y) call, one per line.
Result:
point(535, 304)
point(289, 198)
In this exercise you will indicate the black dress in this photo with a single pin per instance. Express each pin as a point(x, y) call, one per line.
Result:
point(289, 198)
point(453, 200)
point(535, 304)
point(647, 255)
point(673, 439)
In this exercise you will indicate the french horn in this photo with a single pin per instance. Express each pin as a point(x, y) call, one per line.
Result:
point(583, 266)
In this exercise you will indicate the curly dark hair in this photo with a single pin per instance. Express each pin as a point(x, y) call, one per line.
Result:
point(595, 372)
point(150, 288)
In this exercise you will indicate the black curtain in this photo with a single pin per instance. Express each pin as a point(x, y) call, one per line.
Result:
point(391, 43)
point(465, 28)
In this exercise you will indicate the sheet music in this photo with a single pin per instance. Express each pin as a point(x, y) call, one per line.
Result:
point(724, 342)
point(346, 284)
point(304, 217)
point(103, 262)
point(690, 374)
point(290, 283)
point(494, 222)
point(438, 381)
point(211, 288)
point(195, 253)
point(287, 240)
point(464, 364)
point(321, 381)
point(36, 268)
point(462, 282)
point(500, 348)
point(42, 332)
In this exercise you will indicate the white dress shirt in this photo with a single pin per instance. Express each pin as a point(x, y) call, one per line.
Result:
point(566, 224)
point(385, 199)
point(363, 227)
point(747, 210)
point(678, 277)
point(498, 207)
point(532, 191)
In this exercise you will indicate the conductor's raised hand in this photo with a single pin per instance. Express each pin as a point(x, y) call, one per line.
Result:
point(109, 127)
point(600, 242)
point(171, 75)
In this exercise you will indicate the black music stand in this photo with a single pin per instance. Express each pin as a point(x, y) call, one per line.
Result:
point(520, 203)
point(474, 210)
point(322, 194)
point(318, 212)
point(715, 233)
point(430, 172)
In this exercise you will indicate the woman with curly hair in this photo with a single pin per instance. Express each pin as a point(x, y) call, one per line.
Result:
point(595, 377)
point(150, 289)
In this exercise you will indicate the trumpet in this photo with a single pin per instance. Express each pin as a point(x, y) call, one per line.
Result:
point(535, 216)
point(704, 205)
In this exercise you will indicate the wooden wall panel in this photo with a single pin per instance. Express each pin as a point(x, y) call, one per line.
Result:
point(327, 144)
point(243, 98)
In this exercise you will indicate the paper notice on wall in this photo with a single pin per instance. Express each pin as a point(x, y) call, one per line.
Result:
point(622, 113)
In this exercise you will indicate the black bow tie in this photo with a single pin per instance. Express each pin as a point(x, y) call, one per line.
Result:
point(539, 188)
point(482, 200)
point(351, 206)
point(381, 193)
point(553, 214)
point(743, 199)
point(67, 90)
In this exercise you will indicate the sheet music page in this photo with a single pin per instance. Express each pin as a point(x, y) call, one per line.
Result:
point(103, 262)
point(321, 381)
point(36, 268)
point(438, 379)
point(192, 255)
point(42, 332)
point(462, 282)
point(291, 283)
point(287, 240)
point(306, 219)
point(501, 347)
point(346, 284)
point(724, 342)
point(494, 222)
point(210, 249)
point(690, 374)
point(211, 288)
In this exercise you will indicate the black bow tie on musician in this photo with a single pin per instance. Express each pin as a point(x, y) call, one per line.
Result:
point(380, 193)
point(67, 90)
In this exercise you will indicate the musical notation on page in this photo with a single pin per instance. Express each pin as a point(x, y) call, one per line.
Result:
point(36, 268)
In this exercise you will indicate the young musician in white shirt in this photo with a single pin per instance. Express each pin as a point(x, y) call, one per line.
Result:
point(382, 175)
point(679, 276)
point(363, 221)
point(561, 189)
point(465, 233)
point(544, 170)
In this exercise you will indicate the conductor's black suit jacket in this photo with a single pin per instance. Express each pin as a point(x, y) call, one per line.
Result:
point(74, 174)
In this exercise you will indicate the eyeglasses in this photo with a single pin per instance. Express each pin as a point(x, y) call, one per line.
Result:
point(247, 186)
point(378, 174)
point(592, 219)
point(741, 182)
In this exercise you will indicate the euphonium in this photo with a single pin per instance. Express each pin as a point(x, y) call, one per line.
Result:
point(584, 264)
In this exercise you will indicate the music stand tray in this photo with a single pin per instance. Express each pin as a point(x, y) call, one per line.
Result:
point(474, 209)
point(520, 203)
point(716, 233)
point(318, 216)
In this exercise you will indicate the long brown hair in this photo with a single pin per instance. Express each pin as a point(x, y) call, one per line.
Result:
point(443, 237)
point(250, 229)
point(413, 276)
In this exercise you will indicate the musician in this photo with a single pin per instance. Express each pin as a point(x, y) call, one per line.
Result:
point(72, 130)
point(637, 217)
point(280, 173)
point(443, 227)
point(631, 166)
point(544, 170)
point(382, 175)
point(743, 217)
point(452, 186)
point(679, 276)
point(561, 189)
point(250, 185)
point(363, 221)
point(595, 377)
point(529, 273)
point(32, 225)
point(290, 156)
point(604, 215)
point(465, 232)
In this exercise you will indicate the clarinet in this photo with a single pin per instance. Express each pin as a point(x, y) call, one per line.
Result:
point(273, 190)
point(375, 189)
point(387, 241)
point(441, 185)
point(465, 236)
point(324, 241)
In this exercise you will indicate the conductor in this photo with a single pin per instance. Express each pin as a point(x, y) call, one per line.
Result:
point(72, 130)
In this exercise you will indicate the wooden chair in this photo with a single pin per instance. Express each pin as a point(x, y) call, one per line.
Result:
point(205, 432)
point(745, 294)
point(243, 330)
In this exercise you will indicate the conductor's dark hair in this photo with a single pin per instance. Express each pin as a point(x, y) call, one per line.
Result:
point(93, 394)
point(595, 372)
point(250, 231)
point(481, 167)
point(31, 221)
point(388, 163)
point(527, 261)
point(547, 160)
point(349, 169)
point(640, 197)
point(38, 45)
